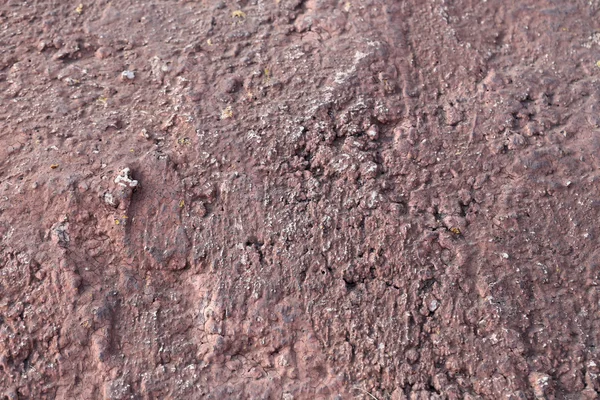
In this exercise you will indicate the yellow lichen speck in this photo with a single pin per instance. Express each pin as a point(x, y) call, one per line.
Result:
point(102, 100)
point(455, 230)
point(227, 113)
point(79, 9)
point(238, 14)
point(181, 203)
point(347, 6)
point(598, 63)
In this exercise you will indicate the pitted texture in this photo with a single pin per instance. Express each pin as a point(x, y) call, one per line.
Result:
point(287, 199)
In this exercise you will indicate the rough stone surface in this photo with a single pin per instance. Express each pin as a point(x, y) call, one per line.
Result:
point(333, 199)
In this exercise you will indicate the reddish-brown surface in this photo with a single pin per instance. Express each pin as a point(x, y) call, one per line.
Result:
point(325, 199)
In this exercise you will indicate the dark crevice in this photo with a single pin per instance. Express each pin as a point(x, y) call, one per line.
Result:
point(427, 285)
point(301, 278)
point(350, 284)
point(27, 363)
point(391, 285)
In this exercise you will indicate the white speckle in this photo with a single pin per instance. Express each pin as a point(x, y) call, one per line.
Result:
point(359, 56)
point(373, 200)
point(341, 76)
point(109, 199)
point(252, 134)
point(504, 255)
point(372, 167)
point(494, 338)
point(124, 179)
point(128, 75)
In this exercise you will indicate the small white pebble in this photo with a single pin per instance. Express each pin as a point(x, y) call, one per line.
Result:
point(433, 305)
point(504, 255)
point(373, 132)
